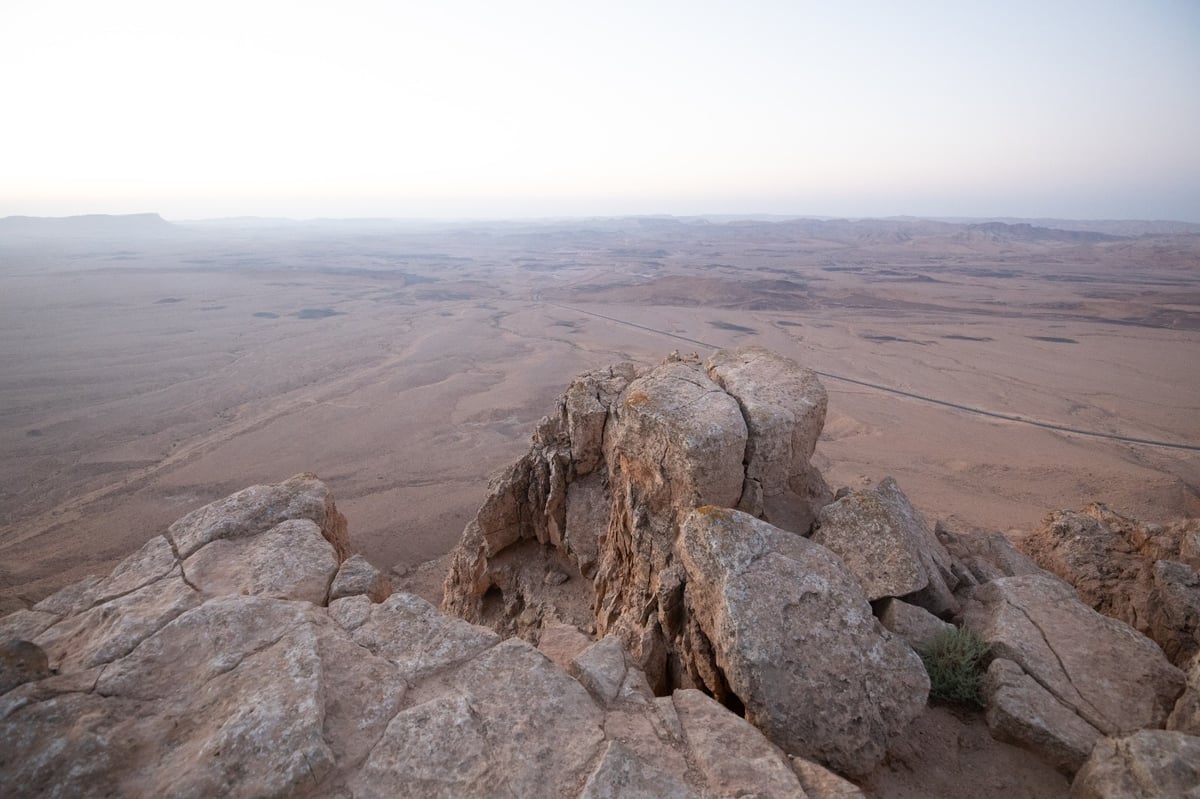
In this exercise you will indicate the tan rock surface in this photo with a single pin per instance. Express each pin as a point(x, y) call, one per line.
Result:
point(1186, 715)
point(1110, 675)
point(357, 575)
point(792, 637)
point(888, 546)
point(1151, 764)
point(1022, 712)
point(608, 478)
point(784, 410)
point(917, 626)
point(1144, 575)
point(196, 694)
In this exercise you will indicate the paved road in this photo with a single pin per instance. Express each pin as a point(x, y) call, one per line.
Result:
point(920, 397)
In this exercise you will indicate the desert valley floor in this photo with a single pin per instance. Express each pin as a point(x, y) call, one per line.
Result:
point(143, 377)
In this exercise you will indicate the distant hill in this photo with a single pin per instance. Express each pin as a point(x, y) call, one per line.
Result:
point(1111, 227)
point(90, 226)
point(1022, 231)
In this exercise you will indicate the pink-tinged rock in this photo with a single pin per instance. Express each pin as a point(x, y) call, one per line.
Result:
point(792, 633)
point(784, 408)
point(886, 544)
point(1107, 673)
point(257, 509)
point(1150, 764)
point(357, 575)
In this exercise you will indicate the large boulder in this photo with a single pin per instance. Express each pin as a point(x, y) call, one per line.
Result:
point(789, 634)
point(1151, 764)
point(888, 546)
point(1143, 574)
point(1097, 670)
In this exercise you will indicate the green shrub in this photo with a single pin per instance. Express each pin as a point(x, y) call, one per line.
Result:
point(954, 661)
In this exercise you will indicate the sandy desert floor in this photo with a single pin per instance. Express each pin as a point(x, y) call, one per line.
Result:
point(142, 379)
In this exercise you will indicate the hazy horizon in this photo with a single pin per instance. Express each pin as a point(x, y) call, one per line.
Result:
point(471, 110)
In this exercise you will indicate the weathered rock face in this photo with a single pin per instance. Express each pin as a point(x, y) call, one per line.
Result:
point(617, 473)
point(917, 626)
point(977, 559)
point(785, 628)
point(357, 576)
point(1186, 715)
point(224, 676)
point(610, 476)
point(1152, 764)
point(1144, 575)
point(889, 547)
point(784, 409)
point(1081, 664)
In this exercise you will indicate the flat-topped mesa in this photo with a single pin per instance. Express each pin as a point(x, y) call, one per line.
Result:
point(609, 478)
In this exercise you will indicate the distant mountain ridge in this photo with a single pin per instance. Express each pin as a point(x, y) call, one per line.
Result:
point(86, 226)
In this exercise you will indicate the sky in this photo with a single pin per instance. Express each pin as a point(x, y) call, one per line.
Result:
point(453, 108)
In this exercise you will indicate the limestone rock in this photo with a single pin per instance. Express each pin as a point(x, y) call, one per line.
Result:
point(1022, 712)
point(821, 783)
point(784, 408)
point(982, 557)
point(1150, 764)
point(357, 575)
point(1108, 674)
point(1186, 715)
point(21, 662)
point(792, 637)
point(1144, 575)
point(735, 759)
point(623, 775)
point(917, 626)
point(609, 476)
point(113, 629)
point(886, 544)
point(170, 687)
point(290, 560)
point(605, 670)
point(257, 509)
point(562, 642)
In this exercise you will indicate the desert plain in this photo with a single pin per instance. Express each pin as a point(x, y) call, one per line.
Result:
point(150, 368)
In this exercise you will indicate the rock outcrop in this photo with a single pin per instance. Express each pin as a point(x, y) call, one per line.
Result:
point(608, 496)
point(1143, 574)
point(670, 549)
point(1152, 764)
point(203, 667)
point(1065, 675)
point(610, 476)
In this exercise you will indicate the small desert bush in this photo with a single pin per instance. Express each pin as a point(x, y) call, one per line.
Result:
point(954, 661)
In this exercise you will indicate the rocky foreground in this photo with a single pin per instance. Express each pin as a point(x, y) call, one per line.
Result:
point(662, 599)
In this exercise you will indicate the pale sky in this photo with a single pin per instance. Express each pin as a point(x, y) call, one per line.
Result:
point(508, 108)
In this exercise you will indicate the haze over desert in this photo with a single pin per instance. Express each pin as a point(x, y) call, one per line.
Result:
point(152, 367)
